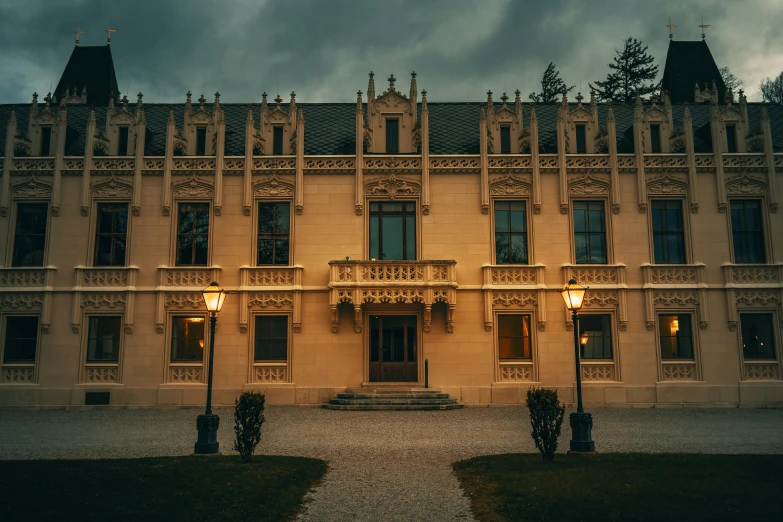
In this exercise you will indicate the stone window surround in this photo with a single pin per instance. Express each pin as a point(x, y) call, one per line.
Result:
point(181, 373)
point(686, 226)
point(386, 310)
point(100, 373)
point(26, 374)
point(175, 228)
point(764, 223)
point(9, 255)
point(528, 221)
point(595, 370)
point(688, 365)
point(607, 226)
point(746, 366)
point(416, 199)
point(268, 372)
point(254, 226)
point(523, 370)
point(94, 226)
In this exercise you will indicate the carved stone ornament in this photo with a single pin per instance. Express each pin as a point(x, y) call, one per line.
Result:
point(514, 298)
point(32, 188)
point(667, 184)
point(396, 295)
point(588, 184)
point(112, 187)
point(185, 300)
point(18, 300)
point(746, 184)
point(757, 297)
point(676, 298)
point(193, 187)
point(267, 299)
point(510, 185)
point(393, 187)
point(600, 298)
point(273, 186)
point(100, 300)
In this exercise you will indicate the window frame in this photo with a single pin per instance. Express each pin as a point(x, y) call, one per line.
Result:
point(528, 231)
point(252, 364)
point(175, 230)
point(417, 225)
point(278, 146)
point(48, 154)
point(93, 243)
point(607, 229)
point(765, 230)
point(386, 121)
point(196, 151)
point(776, 335)
point(12, 230)
point(615, 361)
point(686, 230)
point(123, 144)
point(257, 216)
point(731, 143)
point(695, 340)
point(505, 141)
point(655, 138)
point(583, 127)
point(35, 364)
point(531, 313)
point(84, 364)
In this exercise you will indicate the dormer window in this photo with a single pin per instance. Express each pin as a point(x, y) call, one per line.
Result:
point(655, 138)
point(122, 144)
point(731, 138)
point(392, 135)
point(505, 139)
point(581, 139)
point(277, 140)
point(201, 141)
point(46, 141)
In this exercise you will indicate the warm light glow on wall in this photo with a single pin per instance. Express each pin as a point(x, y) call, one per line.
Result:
point(195, 319)
point(674, 325)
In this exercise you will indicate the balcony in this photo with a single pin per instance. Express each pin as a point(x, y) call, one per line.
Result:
point(180, 288)
point(680, 286)
point(277, 287)
point(515, 287)
point(103, 288)
point(29, 290)
point(749, 287)
point(385, 282)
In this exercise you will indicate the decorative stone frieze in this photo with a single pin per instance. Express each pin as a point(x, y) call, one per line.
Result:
point(385, 282)
point(392, 187)
point(180, 374)
point(588, 185)
point(752, 286)
point(102, 288)
point(667, 184)
point(104, 374)
point(31, 188)
point(762, 371)
point(606, 288)
point(263, 288)
point(111, 187)
point(180, 288)
point(18, 374)
point(270, 373)
point(274, 187)
point(515, 372)
point(510, 185)
point(598, 372)
point(513, 287)
point(678, 371)
point(681, 286)
point(28, 289)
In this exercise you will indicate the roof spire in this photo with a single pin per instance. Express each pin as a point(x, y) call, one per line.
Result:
point(391, 80)
point(670, 26)
point(504, 98)
point(79, 31)
point(371, 87)
point(703, 27)
point(414, 87)
point(108, 34)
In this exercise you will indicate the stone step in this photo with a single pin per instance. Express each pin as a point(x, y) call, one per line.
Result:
point(401, 401)
point(393, 407)
point(392, 395)
point(392, 389)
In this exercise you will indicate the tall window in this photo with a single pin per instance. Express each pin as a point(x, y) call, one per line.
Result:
point(271, 338)
point(103, 339)
point(655, 138)
point(758, 336)
point(21, 339)
point(668, 233)
point(193, 234)
point(731, 138)
point(676, 336)
point(747, 231)
point(273, 233)
point(201, 141)
point(514, 337)
point(30, 234)
point(46, 141)
point(393, 230)
point(581, 139)
point(589, 232)
point(505, 139)
point(510, 232)
point(122, 143)
point(277, 140)
point(595, 336)
point(110, 234)
point(187, 339)
point(392, 135)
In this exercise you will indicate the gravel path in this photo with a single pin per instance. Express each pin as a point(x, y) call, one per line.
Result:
point(383, 465)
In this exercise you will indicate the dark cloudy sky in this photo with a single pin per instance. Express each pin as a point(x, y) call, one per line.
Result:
point(323, 49)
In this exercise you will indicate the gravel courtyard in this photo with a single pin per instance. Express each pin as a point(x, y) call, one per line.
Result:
point(383, 465)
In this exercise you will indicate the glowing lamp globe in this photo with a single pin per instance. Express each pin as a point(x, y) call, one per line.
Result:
point(214, 296)
point(573, 295)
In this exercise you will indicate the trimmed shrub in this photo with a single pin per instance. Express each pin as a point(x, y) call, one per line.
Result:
point(248, 418)
point(546, 417)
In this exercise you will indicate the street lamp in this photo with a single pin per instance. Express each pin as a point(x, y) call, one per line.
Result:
point(581, 422)
point(208, 424)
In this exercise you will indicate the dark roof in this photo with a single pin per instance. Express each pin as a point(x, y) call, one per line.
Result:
point(91, 67)
point(330, 127)
point(688, 63)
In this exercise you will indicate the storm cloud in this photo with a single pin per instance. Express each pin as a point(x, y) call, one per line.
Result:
point(323, 49)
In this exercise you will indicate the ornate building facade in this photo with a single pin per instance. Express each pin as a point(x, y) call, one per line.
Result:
point(358, 240)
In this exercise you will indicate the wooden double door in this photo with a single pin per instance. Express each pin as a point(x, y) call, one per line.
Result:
point(393, 348)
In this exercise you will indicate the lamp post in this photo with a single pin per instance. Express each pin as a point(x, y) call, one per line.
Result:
point(581, 422)
point(208, 424)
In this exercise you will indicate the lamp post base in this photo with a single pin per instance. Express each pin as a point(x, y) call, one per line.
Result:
point(207, 426)
point(581, 436)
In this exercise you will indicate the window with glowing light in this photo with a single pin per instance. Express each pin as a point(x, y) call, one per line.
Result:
point(514, 337)
point(676, 336)
point(271, 338)
point(187, 339)
point(595, 336)
point(103, 338)
point(758, 336)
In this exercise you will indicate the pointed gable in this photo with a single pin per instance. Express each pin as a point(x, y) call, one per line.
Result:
point(689, 64)
point(90, 68)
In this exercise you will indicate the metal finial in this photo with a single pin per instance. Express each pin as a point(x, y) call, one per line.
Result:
point(372, 75)
point(278, 99)
point(79, 31)
point(670, 26)
point(504, 98)
point(108, 35)
point(391, 80)
point(413, 74)
point(202, 100)
point(703, 27)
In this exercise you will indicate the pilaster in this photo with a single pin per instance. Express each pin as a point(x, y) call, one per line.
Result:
point(141, 127)
point(562, 121)
point(484, 163)
point(425, 152)
point(299, 189)
point(717, 152)
point(358, 190)
point(638, 146)
point(250, 131)
point(770, 160)
point(8, 159)
point(690, 151)
point(534, 160)
point(614, 171)
point(87, 172)
point(220, 144)
point(58, 159)
point(167, 164)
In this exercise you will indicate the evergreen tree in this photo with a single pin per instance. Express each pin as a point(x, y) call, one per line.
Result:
point(631, 74)
point(772, 89)
point(731, 81)
point(552, 86)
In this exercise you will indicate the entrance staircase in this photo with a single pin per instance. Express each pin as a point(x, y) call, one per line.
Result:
point(381, 396)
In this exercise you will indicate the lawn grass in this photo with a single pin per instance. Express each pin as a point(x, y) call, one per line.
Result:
point(614, 486)
point(168, 488)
